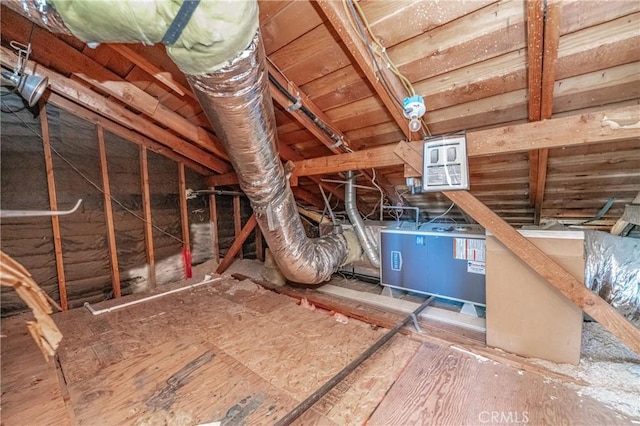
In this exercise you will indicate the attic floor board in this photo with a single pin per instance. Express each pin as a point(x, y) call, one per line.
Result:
point(229, 351)
point(451, 387)
point(235, 353)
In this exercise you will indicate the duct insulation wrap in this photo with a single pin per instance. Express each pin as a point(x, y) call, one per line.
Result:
point(613, 271)
point(212, 37)
point(369, 246)
point(237, 101)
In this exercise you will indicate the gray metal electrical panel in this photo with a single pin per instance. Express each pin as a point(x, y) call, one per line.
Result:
point(441, 259)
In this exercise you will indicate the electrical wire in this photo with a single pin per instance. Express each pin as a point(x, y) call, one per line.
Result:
point(381, 50)
point(96, 186)
point(443, 214)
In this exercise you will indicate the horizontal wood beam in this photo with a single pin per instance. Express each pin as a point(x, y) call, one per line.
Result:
point(89, 99)
point(590, 128)
point(547, 268)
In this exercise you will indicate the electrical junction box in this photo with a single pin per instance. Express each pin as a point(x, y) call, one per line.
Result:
point(440, 259)
point(445, 164)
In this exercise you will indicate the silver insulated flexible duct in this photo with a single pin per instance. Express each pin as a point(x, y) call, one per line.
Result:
point(369, 247)
point(232, 87)
point(237, 101)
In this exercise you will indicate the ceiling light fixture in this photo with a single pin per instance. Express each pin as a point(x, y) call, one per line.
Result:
point(414, 109)
point(31, 87)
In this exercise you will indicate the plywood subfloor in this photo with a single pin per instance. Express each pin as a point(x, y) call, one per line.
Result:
point(453, 387)
point(235, 353)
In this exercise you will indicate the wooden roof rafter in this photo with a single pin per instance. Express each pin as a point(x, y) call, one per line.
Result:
point(543, 32)
point(360, 52)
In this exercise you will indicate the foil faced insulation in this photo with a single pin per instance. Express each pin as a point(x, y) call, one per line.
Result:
point(613, 271)
point(237, 101)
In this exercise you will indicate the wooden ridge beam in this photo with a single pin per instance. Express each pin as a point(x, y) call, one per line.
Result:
point(337, 16)
point(547, 268)
point(608, 125)
point(89, 99)
point(237, 244)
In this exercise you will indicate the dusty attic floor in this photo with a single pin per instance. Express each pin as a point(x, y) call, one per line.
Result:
point(234, 353)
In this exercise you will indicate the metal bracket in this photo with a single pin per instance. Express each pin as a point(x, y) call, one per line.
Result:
point(296, 106)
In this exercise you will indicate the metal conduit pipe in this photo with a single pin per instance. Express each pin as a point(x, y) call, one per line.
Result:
point(369, 247)
point(221, 52)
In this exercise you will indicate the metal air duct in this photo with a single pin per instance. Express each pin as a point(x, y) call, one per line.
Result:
point(232, 87)
point(370, 248)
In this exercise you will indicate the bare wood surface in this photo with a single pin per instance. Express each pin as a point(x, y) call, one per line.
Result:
point(237, 244)
point(44, 331)
point(53, 205)
point(148, 224)
point(162, 76)
point(112, 110)
point(575, 291)
point(550, 59)
point(453, 387)
point(108, 213)
point(184, 214)
point(435, 331)
point(621, 224)
point(583, 129)
point(30, 389)
point(338, 17)
point(213, 218)
point(237, 221)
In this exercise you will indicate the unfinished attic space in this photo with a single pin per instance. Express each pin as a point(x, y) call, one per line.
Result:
point(333, 212)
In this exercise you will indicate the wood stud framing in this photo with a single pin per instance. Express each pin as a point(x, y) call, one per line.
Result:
point(237, 221)
point(148, 224)
point(108, 214)
point(213, 217)
point(184, 213)
point(53, 205)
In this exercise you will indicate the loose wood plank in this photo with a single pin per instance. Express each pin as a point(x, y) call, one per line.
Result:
point(237, 244)
point(148, 224)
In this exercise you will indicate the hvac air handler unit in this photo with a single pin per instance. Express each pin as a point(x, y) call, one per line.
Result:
point(440, 259)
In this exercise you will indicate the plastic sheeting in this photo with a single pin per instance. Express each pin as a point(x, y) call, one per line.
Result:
point(612, 270)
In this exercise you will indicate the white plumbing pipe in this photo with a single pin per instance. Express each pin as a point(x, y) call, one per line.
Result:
point(207, 280)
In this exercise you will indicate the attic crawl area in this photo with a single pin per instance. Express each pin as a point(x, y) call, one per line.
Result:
point(320, 212)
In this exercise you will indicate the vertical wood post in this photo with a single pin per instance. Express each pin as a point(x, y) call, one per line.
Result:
point(184, 216)
point(213, 217)
point(146, 210)
point(108, 212)
point(237, 221)
point(259, 248)
point(53, 205)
